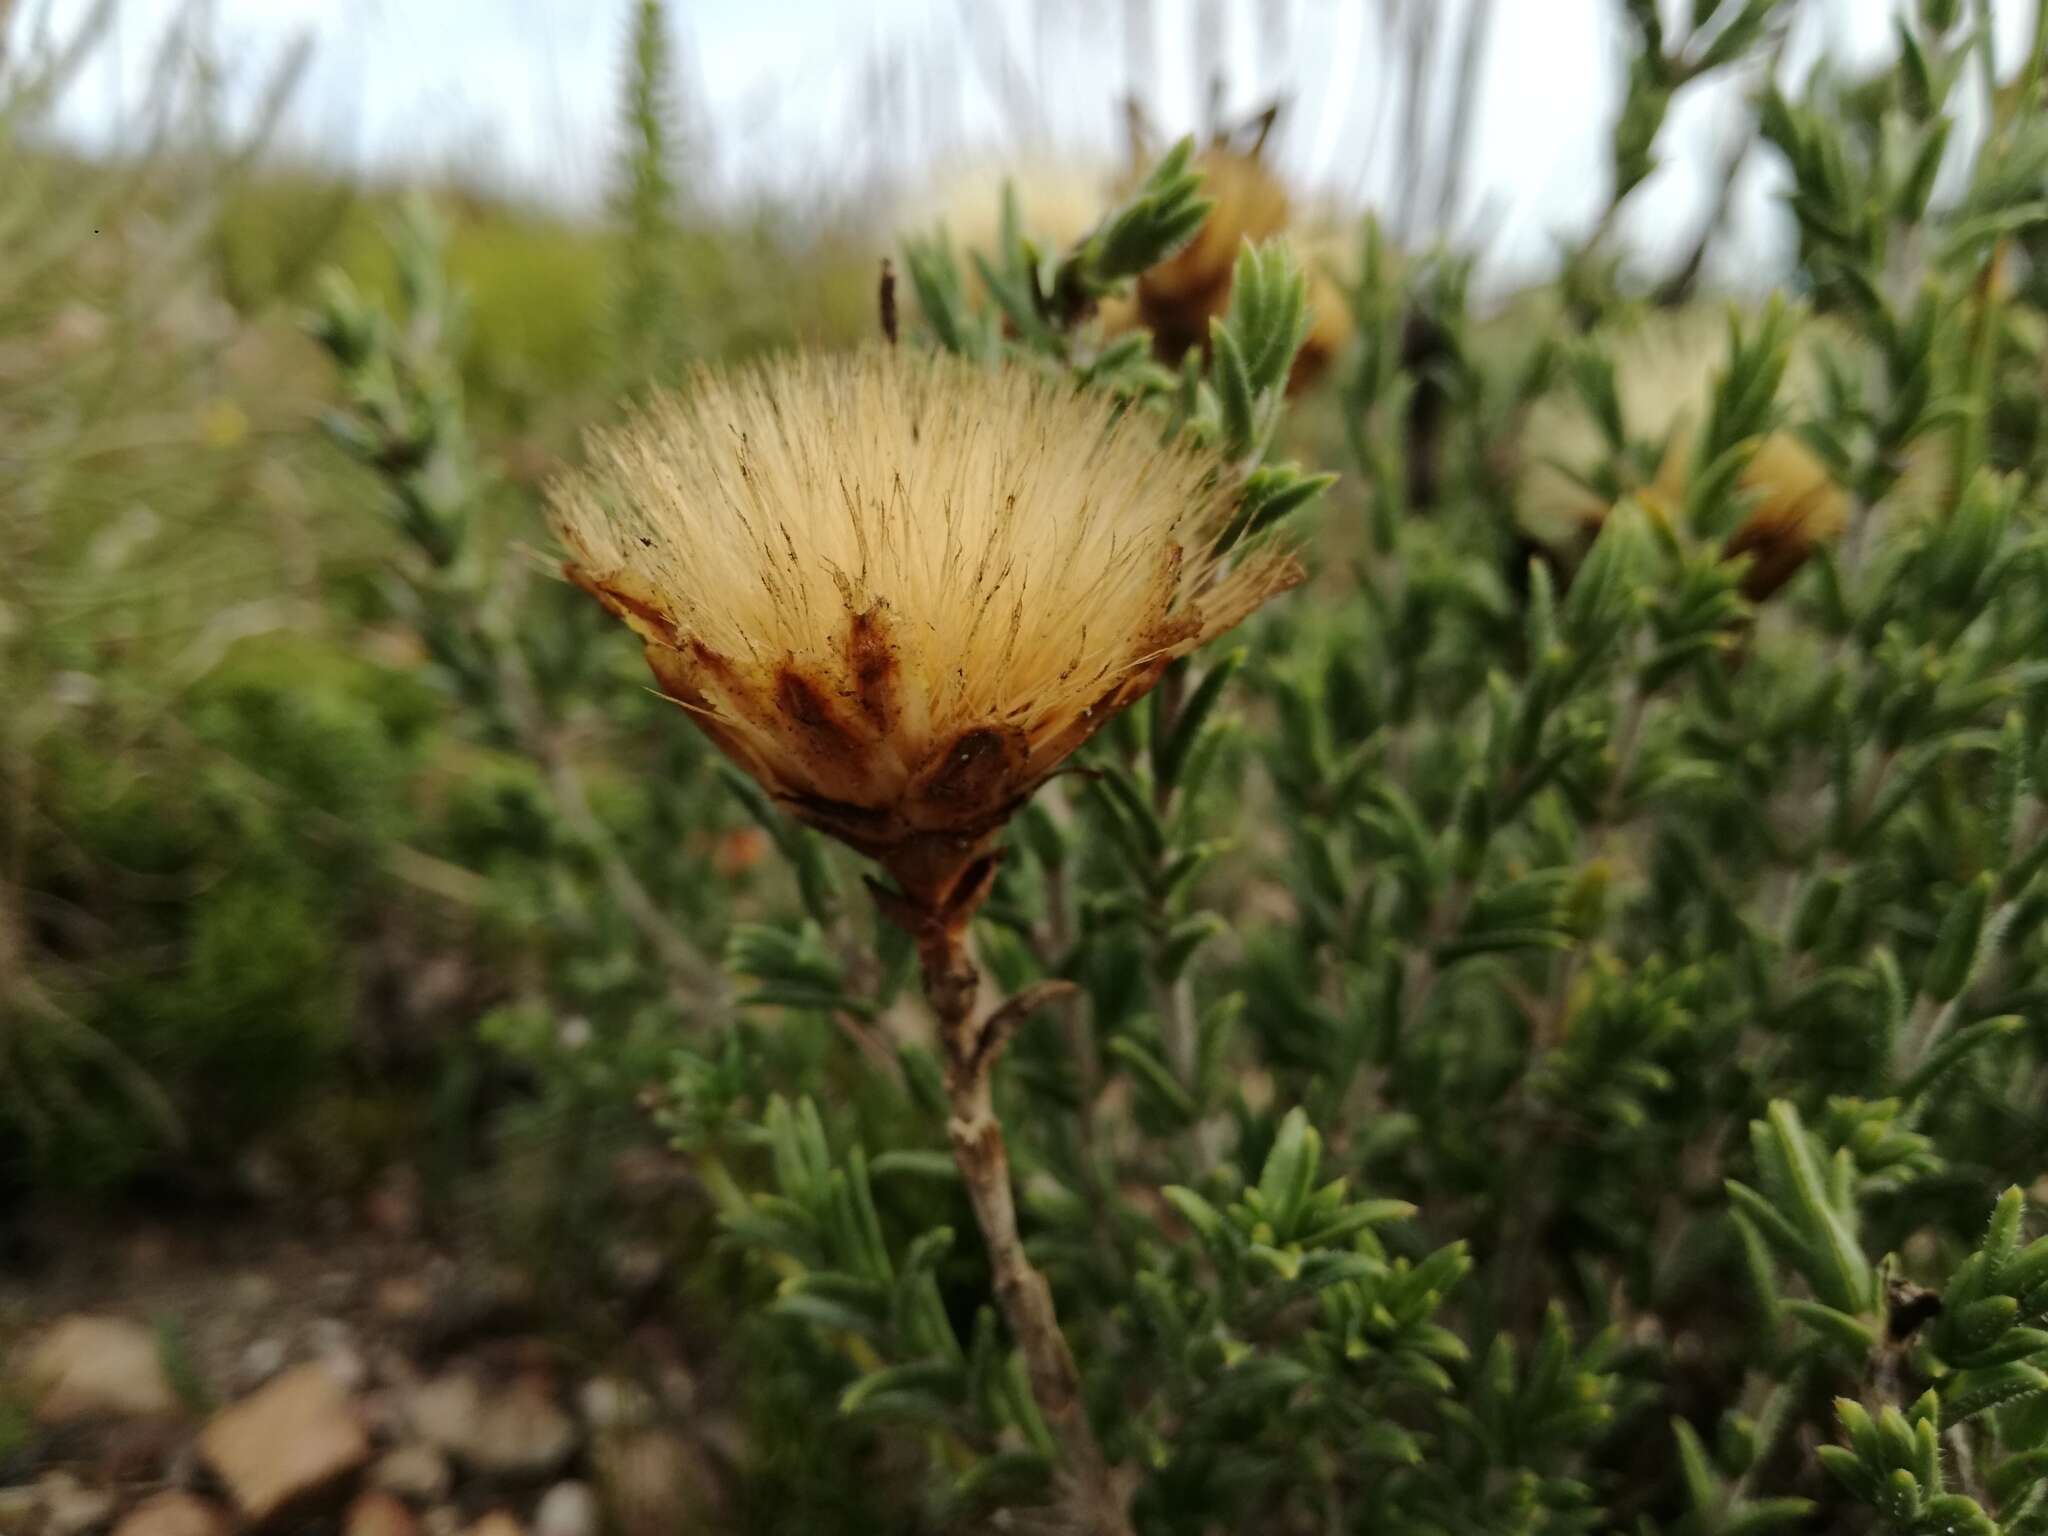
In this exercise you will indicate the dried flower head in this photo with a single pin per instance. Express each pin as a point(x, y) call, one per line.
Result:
point(900, 590)
point(1665, 369)
point(1177, 298)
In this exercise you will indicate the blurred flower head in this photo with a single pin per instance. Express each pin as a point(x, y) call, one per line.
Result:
point(1177, 298)
point(1059, 201)
point(1249, 203)
point(1666, 368)
point(900, 590)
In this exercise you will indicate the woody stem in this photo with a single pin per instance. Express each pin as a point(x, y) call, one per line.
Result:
point(972, 1046)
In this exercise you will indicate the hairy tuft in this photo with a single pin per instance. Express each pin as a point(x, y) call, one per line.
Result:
point(898, 588)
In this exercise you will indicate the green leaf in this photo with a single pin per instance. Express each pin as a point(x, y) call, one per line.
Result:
point(1235, 395)
point(1198, 1213)
point(1954, 958)
point(1759, 1515)
point(1956, 1048)
point(1356, 1217)
point(1184, 939)
point(1839, 1272)
point(1290, 1170)
point(1838, 1328)
point(1848, 1468)
point(1156, 1079)
point(2014, 1475)
point(1161, 217)
point(1170, 749)
point(1702, 1487)
point(1006, 1477)
point(936, 1166)
point(1969, 1393)
point(942, 1381)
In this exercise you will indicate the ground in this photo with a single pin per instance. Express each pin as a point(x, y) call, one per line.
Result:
point(424, 1382)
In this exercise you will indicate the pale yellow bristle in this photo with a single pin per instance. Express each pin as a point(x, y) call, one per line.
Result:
point(1006, 549)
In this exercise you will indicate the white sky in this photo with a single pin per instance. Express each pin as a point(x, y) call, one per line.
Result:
point(795, 96)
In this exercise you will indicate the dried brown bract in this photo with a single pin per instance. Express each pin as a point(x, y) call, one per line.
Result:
point(900, 590)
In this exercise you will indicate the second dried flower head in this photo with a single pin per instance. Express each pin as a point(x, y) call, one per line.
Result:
point(900, 590)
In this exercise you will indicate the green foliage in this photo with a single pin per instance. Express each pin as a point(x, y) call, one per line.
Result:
point(646, 196)
point(1524, 887)
point(1542, 1024)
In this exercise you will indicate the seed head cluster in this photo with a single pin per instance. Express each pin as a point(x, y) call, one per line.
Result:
point(900, 590)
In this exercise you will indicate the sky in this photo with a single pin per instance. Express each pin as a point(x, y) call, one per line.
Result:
point(799, 97)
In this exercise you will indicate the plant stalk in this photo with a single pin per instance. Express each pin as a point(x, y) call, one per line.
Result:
point(972, 1046)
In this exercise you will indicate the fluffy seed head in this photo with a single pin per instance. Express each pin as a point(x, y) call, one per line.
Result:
point(899, 590)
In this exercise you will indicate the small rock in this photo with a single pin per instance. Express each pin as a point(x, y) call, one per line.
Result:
point(662, 1356)
point(441, 1520)
point(149, 1251)
point(174, 1514)
point(263, 1359)
point(394, 1368)
point(653, 1482)
point(254, 1292)
point(325, 1335)
point(636, 1268)
point(722, 1436)
point(393, 1208)
point(418, 1472)
point(185, 1470)
point(263, 1175)
point(647, 1173)
point(678, 1389)
point(517, 1429)
point(567, 1509)
point(333, 1343)
point(71, 1508)
point(403, 1298)
point(614, 1402)
point(142, 1450)
point(508, 1286)
point(287, 1443)
point(378, 1513)
point(472, 1302)
point(351, 1372)
point(89, 1367)
point(383, 1414)
point(20, 1509)
point(497, 1522)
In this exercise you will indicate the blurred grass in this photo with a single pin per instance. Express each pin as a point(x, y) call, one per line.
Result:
point(543, 288)
point(237, 819)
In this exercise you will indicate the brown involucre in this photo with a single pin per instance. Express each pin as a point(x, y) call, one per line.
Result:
point(899, 590)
